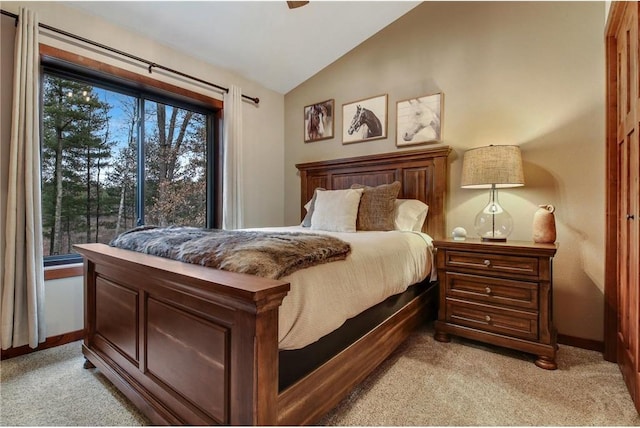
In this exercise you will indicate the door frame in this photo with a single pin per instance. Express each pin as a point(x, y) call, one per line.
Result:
point(614, 21)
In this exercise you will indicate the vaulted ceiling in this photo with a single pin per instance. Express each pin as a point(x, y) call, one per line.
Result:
point(264, 41)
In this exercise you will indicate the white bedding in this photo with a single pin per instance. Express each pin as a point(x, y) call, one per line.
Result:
point(323, 297)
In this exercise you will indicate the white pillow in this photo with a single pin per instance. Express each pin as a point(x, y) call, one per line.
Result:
point(336, 210)
point(410, 214)
point(309, 206)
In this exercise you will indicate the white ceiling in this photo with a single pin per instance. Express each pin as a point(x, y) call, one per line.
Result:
point(263, 41)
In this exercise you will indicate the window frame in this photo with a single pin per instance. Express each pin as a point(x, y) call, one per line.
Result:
point(71, 66)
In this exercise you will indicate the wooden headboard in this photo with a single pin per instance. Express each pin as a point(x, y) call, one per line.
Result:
point(423, 174)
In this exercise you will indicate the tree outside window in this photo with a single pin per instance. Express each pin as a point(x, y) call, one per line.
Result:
point(91, 188)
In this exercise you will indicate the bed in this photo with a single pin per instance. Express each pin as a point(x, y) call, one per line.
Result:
point(193, 345)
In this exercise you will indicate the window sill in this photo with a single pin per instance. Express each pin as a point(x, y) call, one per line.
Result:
point(63, 271)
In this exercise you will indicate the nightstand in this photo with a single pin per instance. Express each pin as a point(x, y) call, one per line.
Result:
point(498, 293)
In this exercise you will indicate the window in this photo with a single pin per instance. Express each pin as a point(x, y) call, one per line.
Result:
point(114, 158)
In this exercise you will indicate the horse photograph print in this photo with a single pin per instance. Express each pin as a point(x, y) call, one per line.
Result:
point(364, 120)
point(318, 121)
point(419, 120)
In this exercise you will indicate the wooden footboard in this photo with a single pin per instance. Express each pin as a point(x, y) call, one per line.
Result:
point(194, 345)
point(187, 344)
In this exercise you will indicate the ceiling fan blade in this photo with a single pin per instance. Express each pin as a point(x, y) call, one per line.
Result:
point(294, 4)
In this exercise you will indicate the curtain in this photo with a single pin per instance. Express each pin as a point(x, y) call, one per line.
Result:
point(23, 281)
point(232, 190)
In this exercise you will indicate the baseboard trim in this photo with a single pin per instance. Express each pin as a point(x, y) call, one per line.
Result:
point(579, 342)
point(51, 342)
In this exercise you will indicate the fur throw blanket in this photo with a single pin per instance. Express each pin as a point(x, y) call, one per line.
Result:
point(267, 254)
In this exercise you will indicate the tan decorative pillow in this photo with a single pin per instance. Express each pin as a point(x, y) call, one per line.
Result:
point(377, 206)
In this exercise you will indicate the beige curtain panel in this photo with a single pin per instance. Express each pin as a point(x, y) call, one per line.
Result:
point(23, 280)
point(233, 182)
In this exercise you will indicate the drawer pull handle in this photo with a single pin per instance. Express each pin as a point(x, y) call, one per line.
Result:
point(488, 290)
point(487, 318)
point(487, 262)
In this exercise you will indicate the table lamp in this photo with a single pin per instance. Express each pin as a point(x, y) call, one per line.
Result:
point(492, 167)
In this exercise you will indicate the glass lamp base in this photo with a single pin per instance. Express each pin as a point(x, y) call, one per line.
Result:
point(493, 223)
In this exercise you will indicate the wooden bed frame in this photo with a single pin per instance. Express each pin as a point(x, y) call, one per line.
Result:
point(194, 345)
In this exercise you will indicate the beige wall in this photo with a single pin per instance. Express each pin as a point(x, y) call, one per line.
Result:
point(262, 127)
point(530, 74)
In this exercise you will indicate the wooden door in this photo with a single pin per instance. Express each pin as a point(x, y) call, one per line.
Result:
point(623, 166)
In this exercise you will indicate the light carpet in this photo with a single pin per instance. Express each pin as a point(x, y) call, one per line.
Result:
point(423, 383)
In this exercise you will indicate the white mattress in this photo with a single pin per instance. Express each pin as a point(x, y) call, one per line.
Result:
point(323, 297)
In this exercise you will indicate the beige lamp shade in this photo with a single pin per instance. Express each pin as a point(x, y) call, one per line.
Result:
point(492, 165)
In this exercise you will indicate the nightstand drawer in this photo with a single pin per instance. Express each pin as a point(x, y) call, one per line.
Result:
point(505, 264)
point(495, 291)
point(512, 323)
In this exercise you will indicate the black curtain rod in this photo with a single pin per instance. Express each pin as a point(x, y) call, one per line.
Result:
point(151, 64)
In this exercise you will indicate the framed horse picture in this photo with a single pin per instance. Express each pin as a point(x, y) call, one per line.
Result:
point(318, 121)
point(364, 120)
point(419, 120)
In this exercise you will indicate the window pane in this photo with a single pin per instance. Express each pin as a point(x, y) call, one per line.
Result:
point(88, 164)
point(91, 162)
point(175, 166)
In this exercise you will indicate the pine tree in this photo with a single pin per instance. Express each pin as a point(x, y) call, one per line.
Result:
point(73, 118)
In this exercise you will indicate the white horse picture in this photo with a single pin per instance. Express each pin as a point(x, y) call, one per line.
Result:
point(419, 120)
